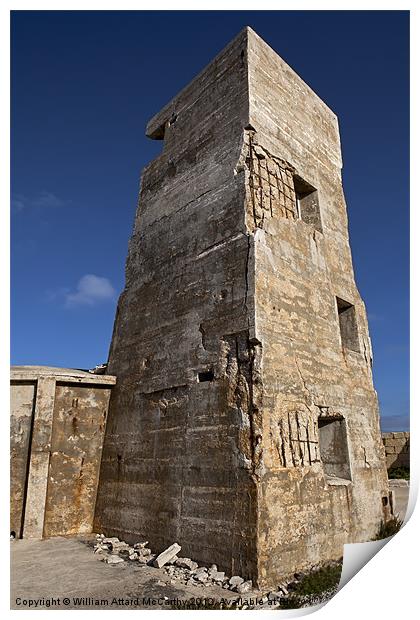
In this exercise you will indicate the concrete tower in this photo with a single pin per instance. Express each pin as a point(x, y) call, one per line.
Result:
point(244, 424)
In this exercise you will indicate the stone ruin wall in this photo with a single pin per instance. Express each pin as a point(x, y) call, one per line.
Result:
point(397, 449)
point(227, 343)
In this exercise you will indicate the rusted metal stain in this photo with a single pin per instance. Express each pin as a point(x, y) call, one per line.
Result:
point(77, 437)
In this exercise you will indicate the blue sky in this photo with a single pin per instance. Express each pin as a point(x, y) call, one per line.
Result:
point(84, 85)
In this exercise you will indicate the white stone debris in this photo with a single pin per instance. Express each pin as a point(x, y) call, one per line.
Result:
point(283, 588)
point(244, 587)
point(215, 574)
point(187, 572)
point(111, 540)
point(113, 559)
point(235, 581)
point(166, 555)
point(99, 548)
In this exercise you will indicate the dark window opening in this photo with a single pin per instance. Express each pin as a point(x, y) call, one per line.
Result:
point(159, 132)
point(206, 375)
point(348, 325)
point(333, 447)
point(307, 203)
point(385, 501)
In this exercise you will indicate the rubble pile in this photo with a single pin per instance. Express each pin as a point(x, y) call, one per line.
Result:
point(178, 569)
point(186, 571)
point(114, 548)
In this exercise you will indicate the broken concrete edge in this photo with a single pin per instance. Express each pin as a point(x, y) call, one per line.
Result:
point(68, 375)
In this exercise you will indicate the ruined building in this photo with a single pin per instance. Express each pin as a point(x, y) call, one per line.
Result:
point(57, 426)
point(244, 423)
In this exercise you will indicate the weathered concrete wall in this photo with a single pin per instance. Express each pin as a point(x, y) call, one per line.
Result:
point(227, 342)
point(58, 421)
point(22, 397)
point(309, 372)
point(397, 449)
point(172, 469)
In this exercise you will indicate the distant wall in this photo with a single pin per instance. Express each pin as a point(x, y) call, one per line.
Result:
point(397, 449)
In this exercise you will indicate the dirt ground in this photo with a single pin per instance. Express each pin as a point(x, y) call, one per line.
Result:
point(64, 573)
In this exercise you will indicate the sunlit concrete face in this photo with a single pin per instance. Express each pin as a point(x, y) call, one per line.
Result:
point(57, 427)
point(243, 425)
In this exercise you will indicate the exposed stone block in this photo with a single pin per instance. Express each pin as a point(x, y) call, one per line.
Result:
point(167, 555)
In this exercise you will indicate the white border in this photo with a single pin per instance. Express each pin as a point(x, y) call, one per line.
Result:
point(386, 586)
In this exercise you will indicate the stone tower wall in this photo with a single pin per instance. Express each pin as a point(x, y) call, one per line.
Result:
point(244, 424)
point(176, 444)
point(312, 377)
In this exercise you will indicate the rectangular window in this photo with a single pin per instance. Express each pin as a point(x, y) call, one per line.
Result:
point(333, 447)
point(307, 203)
point(206, 375)
point(348, 325)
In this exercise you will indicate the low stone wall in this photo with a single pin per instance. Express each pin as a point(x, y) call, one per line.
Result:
point(397, 449)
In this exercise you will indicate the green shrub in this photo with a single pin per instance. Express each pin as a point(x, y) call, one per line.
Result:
point(399, 472)
point(388, 528)
point(320, 580)
point(315, 587)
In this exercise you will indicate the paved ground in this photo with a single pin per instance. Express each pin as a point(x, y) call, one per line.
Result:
point(67, 568)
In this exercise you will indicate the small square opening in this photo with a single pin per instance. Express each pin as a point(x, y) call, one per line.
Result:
point(333, 447)
point(307, 203)
point(206, 375)
point(348, 325)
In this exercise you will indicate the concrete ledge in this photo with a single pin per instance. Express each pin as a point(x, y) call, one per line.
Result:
point(338, 482)
point(68, 375)
point(398, 482)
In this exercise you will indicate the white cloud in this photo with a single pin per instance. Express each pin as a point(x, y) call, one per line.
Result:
point(48, 199)
point(90, 290)
point(58, 294)
point(18, 203)
point(44, 199)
